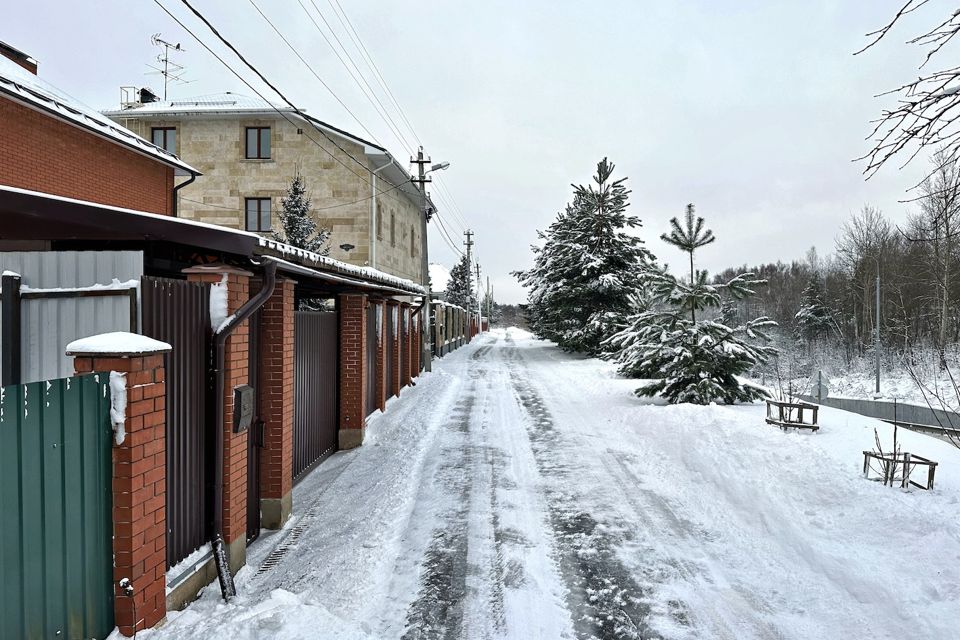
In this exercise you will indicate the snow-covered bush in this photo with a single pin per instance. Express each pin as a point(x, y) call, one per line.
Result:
point(691, 360)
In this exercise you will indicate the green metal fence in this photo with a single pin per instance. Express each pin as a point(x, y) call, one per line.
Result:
point(55, 509)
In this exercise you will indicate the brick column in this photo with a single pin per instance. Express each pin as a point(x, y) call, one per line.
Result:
point(353, 369)
point(139, 479)
point(235, 373)
point(381, 381)
point(405, 344)
point(416, 346)
point(276, 406)
point(393, 385)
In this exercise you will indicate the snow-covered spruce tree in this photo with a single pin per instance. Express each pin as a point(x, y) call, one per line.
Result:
point(691, 360)
point(297, 228)
point(814, 320)
point(585, 277)
point(460, 286)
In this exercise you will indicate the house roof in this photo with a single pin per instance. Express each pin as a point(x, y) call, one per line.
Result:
point(237, 104)
point(30, 215)
point(20, 85)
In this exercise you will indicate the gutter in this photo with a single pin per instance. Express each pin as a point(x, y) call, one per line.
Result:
point(176, 188)
point(251, 306)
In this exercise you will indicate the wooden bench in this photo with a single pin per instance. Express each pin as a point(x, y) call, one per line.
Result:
point(908, 461)
point(789, 415)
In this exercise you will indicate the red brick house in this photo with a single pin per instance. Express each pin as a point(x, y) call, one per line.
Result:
point(53, 144)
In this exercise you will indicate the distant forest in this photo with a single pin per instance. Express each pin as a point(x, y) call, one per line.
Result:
point(825, 302)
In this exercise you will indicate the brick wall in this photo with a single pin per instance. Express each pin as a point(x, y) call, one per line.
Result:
point(277, 398)
point(235, 372)
point(40, 153)
point(353, 359)
point(139, 490)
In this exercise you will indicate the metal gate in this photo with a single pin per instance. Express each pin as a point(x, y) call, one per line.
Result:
point(373, 311)
point(178, 312)
point(315, 400)
point(55, 497)
point(391, 338)
point(404, 345)
point(255, 434)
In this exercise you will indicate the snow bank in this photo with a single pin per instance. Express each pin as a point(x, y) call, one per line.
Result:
point(281, 616)
point(117, 343)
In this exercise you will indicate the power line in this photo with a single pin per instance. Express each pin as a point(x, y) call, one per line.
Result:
point(335, 206)
point(264, 79)
point(259, 94)
point(365, 54)
point(315, 74)
point(229, 45)
point(375, 100)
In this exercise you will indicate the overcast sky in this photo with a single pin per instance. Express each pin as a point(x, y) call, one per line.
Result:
point(752, 109)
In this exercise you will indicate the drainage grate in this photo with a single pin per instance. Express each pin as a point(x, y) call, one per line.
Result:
point(288, 543)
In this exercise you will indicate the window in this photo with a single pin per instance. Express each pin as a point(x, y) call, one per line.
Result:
point(258, 214)
point(258, 143)
point(165, 138)
point(413, 245)
point(379, 222)
point(393, 230)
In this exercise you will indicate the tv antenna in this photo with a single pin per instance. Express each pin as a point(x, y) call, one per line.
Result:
point(171, 70)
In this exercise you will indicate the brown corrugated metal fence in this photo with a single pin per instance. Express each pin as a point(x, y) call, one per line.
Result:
point(371, 399)
point(178, 312)
point(315, 401)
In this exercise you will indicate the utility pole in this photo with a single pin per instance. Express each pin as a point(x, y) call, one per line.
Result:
point(469, 245)
point(425, 341)
point(876, 337)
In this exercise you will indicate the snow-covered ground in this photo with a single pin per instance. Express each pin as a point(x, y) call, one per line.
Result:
point(520, 492)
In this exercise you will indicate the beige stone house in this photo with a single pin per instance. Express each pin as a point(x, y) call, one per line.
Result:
point(249, 151)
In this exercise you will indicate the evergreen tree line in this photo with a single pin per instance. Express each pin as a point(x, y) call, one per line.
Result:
point(828, 304)
point(595, 288)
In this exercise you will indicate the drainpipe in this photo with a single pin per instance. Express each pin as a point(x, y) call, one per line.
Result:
point(373, 214)
point(176, 188)
point(227, 588)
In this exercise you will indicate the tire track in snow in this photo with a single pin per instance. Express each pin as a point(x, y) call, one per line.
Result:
point(603, 596)
point(461, 573)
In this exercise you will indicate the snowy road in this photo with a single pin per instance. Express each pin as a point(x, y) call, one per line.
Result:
point(519, 492)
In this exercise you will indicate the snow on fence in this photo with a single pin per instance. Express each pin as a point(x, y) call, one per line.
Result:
point(62, 296)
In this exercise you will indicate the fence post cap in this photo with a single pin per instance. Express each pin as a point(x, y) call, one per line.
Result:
point(117, 344)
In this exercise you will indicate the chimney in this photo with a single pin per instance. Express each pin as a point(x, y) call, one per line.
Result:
point(19, 57)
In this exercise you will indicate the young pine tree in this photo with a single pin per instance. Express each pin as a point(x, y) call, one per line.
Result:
point(297, 227)
point(814, 320)
point(460, 286)
point(690, 360)
point(585, 278)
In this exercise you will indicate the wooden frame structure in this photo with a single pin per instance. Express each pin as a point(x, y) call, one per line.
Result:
point(789, 415)
point(888, 465)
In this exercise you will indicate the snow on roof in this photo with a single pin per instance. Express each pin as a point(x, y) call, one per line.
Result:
point(368, 273)
point(210, 103)
point(24, 86)
point(439, 277)
point(117, 343)
point(342, 267)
